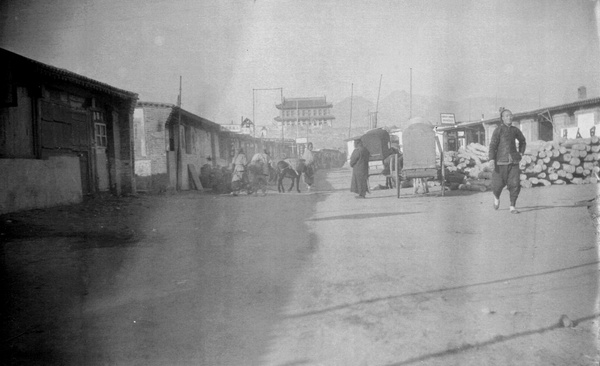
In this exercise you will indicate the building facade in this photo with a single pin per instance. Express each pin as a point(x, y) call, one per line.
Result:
point(62, 136)
point(571, 120)
point(171, 145)
point(305, 112)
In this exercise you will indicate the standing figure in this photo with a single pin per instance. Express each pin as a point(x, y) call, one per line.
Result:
point(506, 157)
point(309, 161)
point(359, 161)
point(239, 167)
point(259, 171)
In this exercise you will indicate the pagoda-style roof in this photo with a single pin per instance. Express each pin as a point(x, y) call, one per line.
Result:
point(304, 103)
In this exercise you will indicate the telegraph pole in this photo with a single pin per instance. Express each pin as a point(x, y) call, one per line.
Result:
point(377, 106)
point(410, 113)
point(179, 168)
point(253, 105)
point(351, 97)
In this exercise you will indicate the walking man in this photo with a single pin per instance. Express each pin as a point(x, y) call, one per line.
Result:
point(505, 157)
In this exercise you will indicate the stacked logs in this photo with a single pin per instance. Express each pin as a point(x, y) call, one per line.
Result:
point(572, 161)
point(561, 162)
point(472, 161)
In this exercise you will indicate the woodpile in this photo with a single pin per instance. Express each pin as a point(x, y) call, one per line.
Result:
point(472, 161)
point(572, 161)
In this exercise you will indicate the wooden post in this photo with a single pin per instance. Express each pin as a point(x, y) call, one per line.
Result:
point(437, 140)
point(351, 97)
point(178, 159)
point(397, 175)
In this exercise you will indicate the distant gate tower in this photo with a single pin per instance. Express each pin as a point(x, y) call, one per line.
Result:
point(305, 111)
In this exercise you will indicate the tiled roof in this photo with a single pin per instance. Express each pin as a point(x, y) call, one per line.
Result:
point(187, 118)
point(190, 118)
point(29, 68)
point(302, 103)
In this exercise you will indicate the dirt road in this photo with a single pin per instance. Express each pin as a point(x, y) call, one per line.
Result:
point(303, 279)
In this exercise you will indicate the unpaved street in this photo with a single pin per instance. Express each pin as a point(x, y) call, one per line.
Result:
point(314, 278)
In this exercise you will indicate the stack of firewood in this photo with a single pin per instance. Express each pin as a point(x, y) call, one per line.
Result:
point(471, 161)
point(560, 162)
point(574, 161)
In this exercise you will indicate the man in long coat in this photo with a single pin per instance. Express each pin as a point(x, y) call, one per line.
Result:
point(359, 161)
point(309, 160)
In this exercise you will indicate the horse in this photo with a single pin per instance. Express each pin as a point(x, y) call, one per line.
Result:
point(293, 169)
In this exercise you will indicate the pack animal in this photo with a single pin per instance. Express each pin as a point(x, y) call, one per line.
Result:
point(294, 170)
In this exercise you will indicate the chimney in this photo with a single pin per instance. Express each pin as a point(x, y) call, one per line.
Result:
point(582, 92)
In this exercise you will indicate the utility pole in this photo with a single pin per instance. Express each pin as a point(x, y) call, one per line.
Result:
point(253, 106)
point(351, 97)
point(178, 168)
point(410, 110)
point(377, 106)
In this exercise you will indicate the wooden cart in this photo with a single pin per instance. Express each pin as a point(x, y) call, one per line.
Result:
point(419, 149)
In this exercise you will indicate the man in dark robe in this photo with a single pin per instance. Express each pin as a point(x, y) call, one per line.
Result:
point(359, 161)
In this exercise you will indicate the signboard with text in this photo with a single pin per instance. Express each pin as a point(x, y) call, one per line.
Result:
point(447, 119)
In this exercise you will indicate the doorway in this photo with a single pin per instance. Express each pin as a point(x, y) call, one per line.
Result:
point(546, 131)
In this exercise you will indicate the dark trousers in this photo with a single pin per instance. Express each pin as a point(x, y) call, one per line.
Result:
point(510, 176)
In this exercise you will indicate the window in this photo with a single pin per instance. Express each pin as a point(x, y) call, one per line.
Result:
point(100, 129)
point(101, 139)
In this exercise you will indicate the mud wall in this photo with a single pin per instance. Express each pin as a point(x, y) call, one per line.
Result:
point(30, 183)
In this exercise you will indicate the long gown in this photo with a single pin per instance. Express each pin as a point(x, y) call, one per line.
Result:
point(359, 161)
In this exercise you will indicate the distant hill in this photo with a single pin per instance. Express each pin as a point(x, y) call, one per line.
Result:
point(360, 109)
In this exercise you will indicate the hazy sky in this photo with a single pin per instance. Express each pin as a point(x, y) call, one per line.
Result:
point(224, 49)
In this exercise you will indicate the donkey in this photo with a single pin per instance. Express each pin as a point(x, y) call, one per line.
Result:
point(293, 169)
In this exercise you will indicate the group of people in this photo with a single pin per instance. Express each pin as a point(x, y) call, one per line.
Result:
point(504, 154)
point(255, 174)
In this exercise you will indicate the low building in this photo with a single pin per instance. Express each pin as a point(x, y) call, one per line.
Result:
point(62, 136)
point(571, 120)
point(172, 144)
